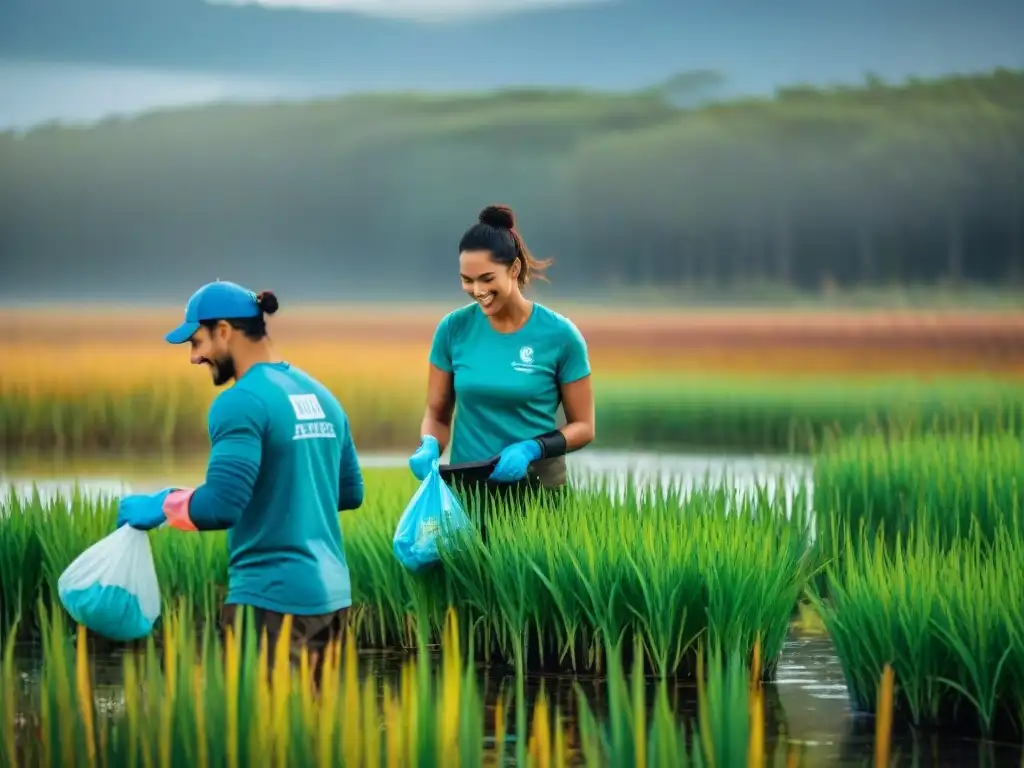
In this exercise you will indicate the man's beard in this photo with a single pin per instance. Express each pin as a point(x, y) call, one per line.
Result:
point(223, 370)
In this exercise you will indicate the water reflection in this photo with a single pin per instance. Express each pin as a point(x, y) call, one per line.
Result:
point(806, 705)
point(682, 472)
point(785, 479)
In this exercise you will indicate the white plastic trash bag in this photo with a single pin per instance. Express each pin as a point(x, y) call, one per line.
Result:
point(112, 588)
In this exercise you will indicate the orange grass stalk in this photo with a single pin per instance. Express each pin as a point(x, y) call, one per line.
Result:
point(451, 682)
point(231, 685)
point(7, 682)
point(170, 689)
point(756, 749)
point(131, 706)
point(84, 689)
point(281, 691)
point(394, 727)
point(199, 694)
point(348, 736)
point(307, 688)
point(410, 697)
point(540, 732)
point(755, 666)
point(260, 736)
point(883, 718)
point(64, 708)
point(499, 729)
point(561, 756)
point(328, 705)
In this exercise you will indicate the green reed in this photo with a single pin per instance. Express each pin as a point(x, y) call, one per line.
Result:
point(736, 412)
point(946, 617)
point(947, 484)
point(780, 414)
point(557, 585)
point(160, 416)
point(661, 567)
point(942, 486)
point(236, 701)
point(728, 730)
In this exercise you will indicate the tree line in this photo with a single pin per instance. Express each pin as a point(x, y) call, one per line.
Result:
point(874, 185)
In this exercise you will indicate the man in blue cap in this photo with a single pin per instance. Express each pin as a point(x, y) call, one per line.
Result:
point(282, 465)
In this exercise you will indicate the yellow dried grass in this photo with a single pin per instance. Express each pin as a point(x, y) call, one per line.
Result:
point(103, 349)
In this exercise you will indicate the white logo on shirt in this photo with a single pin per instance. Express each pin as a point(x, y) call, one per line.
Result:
point(308, 411)
point(307, 407)
point(323, 430)
point(525, 362)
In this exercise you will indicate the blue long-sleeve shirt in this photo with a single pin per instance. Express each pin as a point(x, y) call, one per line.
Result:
point(282, 465)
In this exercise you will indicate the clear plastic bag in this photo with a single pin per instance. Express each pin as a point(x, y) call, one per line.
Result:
point(434, 510)
point(112, 587)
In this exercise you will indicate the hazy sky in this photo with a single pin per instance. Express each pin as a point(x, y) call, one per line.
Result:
point(36, 92)
point(66, 63)
point(418, 9)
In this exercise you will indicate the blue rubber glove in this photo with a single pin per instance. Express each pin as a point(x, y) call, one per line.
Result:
point(423, 459)
point(515, 460)
point(144, 511)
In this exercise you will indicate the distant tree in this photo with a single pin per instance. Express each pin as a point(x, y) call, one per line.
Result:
point(691, 89)
point(916, 182)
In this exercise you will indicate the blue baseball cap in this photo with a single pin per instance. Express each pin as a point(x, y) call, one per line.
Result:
point(214, 301)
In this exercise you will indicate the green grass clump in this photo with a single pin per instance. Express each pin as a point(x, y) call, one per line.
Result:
point(555, 585)
point(782, 415)
point(947, 618)
point(729, 728)
point(923, 547)
point(942, 486)
point(159, 417)
point(730, 413)
point(235, 701)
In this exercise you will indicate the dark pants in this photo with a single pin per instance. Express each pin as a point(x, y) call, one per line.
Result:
point(314, 632)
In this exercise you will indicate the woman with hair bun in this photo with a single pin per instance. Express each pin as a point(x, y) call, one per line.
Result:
point(509, 363)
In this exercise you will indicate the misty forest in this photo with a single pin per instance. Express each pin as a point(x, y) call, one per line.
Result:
point(921, 182)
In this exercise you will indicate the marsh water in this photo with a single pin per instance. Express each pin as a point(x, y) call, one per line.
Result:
point(808, 700)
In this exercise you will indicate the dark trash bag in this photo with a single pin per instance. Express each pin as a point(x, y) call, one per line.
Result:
point(472, 476)
point(467, 473)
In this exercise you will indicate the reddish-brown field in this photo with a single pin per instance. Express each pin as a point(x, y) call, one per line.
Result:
point(620, 341)
point(107, 378)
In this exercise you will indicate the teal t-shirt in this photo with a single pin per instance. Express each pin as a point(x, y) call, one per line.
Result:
point(506, 384)
point(282, 465)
